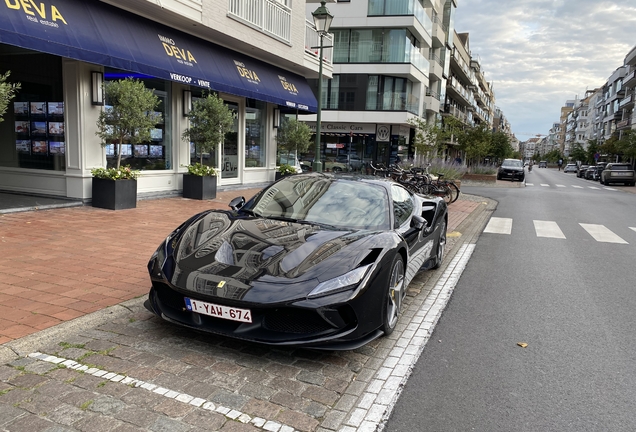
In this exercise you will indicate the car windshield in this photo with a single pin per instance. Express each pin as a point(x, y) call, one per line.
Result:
point(340, 203)
point(512, 163)
point(621, 168)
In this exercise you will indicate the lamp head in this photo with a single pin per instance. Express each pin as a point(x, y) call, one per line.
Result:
point(322, 18)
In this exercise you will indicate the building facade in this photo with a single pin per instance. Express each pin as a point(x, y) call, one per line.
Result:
point(61, 51)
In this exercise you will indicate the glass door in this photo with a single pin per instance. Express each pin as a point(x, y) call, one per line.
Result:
point(229, 149)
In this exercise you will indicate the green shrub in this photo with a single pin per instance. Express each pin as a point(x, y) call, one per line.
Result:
point(285, 169)
point(201, 170)
point(121, 173)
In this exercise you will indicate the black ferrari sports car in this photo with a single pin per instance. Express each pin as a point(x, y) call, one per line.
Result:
point(312, 260)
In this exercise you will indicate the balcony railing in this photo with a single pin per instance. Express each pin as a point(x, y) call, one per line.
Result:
point(626, 101)
point(432, 93)
point(624, 123)
point(434, 57)
point(270, 17)
point(312, 40)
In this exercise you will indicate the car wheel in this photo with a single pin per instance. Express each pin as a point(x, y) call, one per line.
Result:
point(441, 246)
point(601, 181)
point(394, 295)
point(336, 169)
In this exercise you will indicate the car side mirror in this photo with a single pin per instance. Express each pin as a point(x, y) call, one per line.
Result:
point(418, 222)
point(237, 203)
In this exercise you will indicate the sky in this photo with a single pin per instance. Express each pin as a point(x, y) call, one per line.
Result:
point(540, 53)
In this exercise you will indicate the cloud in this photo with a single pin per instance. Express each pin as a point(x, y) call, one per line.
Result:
point(540, 53)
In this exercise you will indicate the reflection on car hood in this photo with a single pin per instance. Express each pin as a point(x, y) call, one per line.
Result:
point(220, 255)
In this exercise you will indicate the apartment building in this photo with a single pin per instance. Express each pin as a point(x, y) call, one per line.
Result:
point(386, 53)
point(256, 55)
point(469, 97)
point(626, 104)
point(395, 60)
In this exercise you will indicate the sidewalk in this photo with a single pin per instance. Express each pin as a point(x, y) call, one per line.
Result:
point(64, 263)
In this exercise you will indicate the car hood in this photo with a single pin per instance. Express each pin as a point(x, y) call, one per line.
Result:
point(261, 260)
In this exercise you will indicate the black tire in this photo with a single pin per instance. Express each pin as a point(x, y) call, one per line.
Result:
point(394, 297)
point(336, 169)
point(441, 247)
point(447, 193)
point(454, 190)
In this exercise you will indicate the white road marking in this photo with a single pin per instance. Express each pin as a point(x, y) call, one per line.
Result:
point(578, 187)
point(560, 185)
point(601, 234)
point(548, 229)
point(170, 394)
point(545, 185)
point(383, 391)
point(609, 188)
point(498, 225)
point(632, 228)
point(594, 187)
point(529, 184)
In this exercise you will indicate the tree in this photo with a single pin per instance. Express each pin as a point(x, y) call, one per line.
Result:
point(428, 138)
point(592, 149)
point(129, 115)
point(627, 144)
point(210, 119)
point(578, 153)
point(7, 92)
point(500, 147)
point(609, 147)
point(293, 136)
point(476, 143)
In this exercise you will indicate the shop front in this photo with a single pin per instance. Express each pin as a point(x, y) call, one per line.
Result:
point(353, 146)
point(64, 50)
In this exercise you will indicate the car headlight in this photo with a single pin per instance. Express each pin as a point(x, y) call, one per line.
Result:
point(341, 283)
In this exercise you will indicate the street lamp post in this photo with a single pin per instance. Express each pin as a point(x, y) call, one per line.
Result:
point(322, 21)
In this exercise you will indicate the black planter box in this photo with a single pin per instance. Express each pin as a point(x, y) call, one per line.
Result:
point(199, 187)
point(114, 194)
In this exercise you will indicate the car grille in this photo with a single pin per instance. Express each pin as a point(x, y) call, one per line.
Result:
point(295, 321)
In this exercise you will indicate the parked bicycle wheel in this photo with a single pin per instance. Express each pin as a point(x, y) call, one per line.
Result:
point(455, 190)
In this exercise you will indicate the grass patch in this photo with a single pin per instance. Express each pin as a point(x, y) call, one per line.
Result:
point(86, 404)
point(102, 384)
point(66, 345)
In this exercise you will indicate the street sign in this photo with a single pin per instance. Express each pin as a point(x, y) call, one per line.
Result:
point(596, 156)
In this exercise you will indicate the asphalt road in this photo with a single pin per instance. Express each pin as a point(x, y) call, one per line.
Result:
point(570, 297)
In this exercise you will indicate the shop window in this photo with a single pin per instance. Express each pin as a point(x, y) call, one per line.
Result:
point(157, 153)
point(255, 137)
point(33, 133)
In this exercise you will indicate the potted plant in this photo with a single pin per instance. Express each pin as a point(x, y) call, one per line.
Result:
point(210, 119)
point(293, 137)
point(7, 92)
point(128, 118)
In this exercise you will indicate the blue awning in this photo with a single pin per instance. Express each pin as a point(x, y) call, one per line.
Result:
point(98, 33)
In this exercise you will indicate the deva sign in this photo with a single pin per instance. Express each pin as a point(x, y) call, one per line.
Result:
point(36, 9)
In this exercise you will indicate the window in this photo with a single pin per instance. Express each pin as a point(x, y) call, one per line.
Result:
point(157, 153)
point(402, 204)
point(255, 127)
point(33, 134)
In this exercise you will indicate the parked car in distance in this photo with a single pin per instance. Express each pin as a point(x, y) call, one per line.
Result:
point(354, 161)
point(511, 169)
point(543, 164)
point(589, 172)
point(618, 173)
point(580, 172)
point(570, 168)
point(596, 176)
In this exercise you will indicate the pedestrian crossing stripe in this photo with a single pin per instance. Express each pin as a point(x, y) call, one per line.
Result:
point(602, 234)
point(560, 185)
point(550, 229)
point(577, 187)
point(498, 225)
point(545, 185)
point(594, 187)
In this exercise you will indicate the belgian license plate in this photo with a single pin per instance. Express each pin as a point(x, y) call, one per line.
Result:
point(219, 311)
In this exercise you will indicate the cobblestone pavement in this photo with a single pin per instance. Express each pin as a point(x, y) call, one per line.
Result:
point(122, 369)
